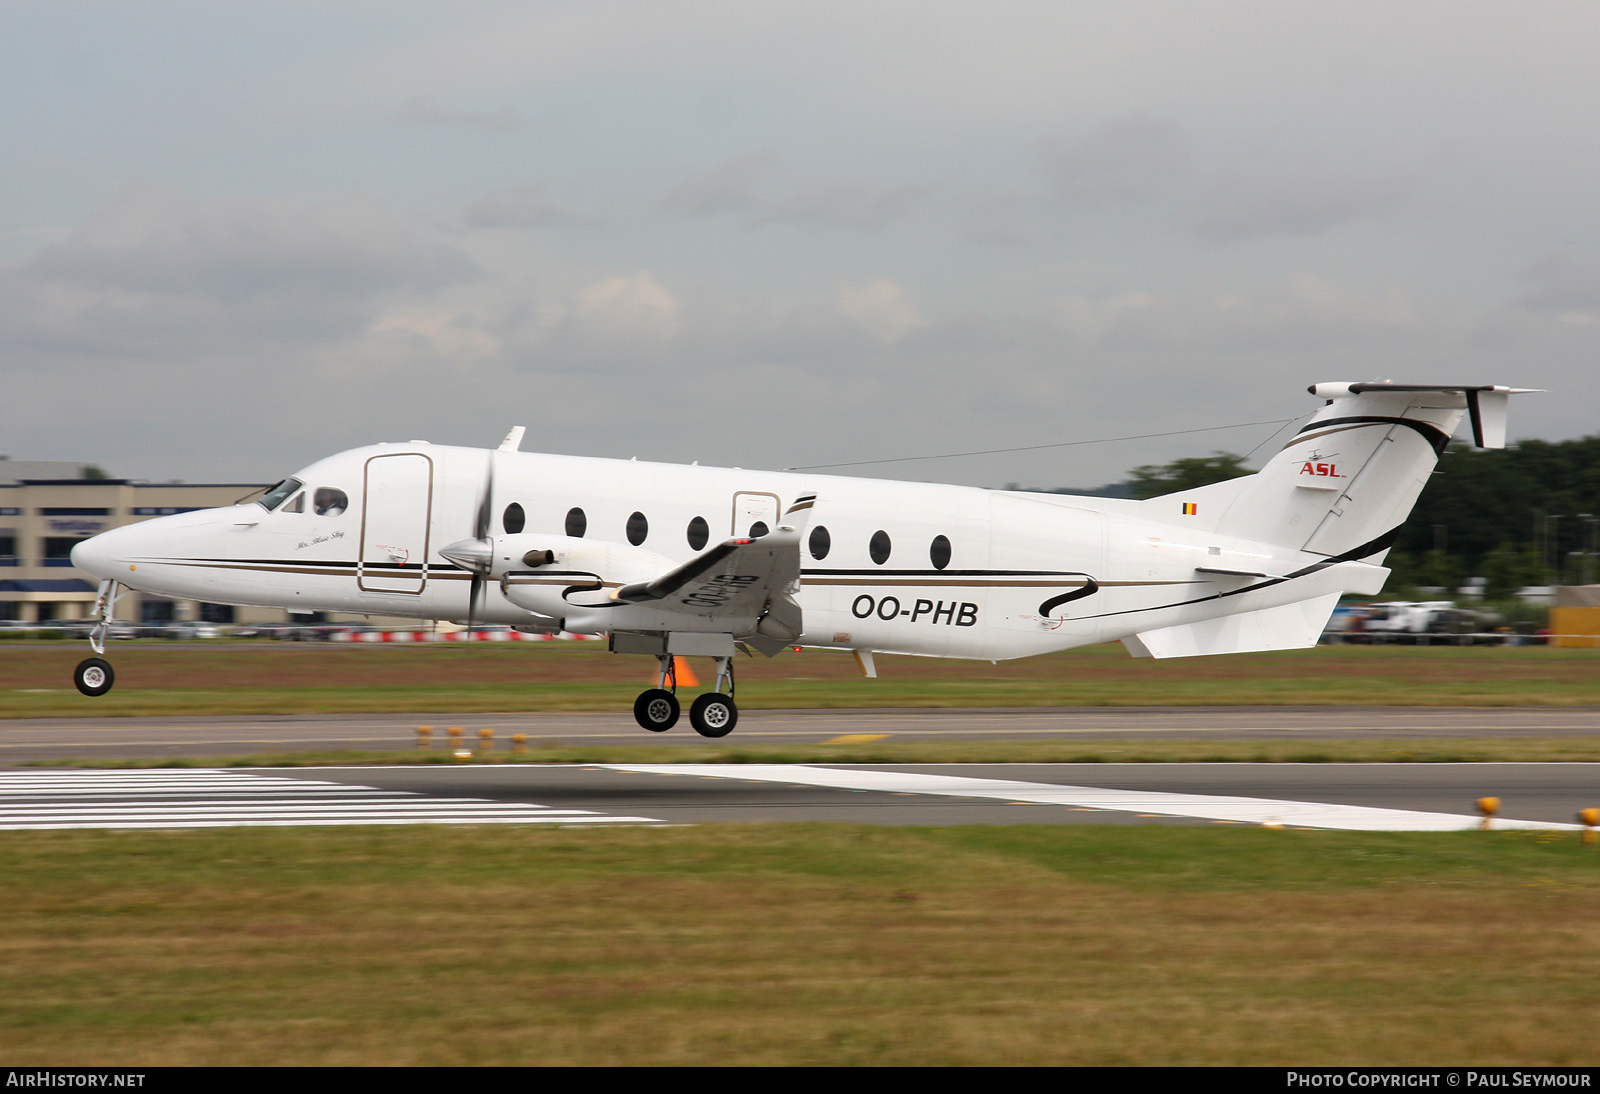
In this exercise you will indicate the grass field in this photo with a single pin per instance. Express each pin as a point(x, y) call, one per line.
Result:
point(804, 944)
point(798, 944)
point(245, 678)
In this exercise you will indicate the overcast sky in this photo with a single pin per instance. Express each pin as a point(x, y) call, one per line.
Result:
point(236, 237)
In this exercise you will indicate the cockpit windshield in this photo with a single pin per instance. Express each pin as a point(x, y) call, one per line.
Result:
point(278, 494)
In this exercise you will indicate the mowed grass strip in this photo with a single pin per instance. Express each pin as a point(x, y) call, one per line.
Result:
point(265, 678)
point(890, 751)
point(799, 944)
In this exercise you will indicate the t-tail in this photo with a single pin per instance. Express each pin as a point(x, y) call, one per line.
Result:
point(1338, 492)
point(1347, 480)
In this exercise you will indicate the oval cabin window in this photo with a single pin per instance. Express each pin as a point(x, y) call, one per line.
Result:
point(638, 529)
point(820, 542)
point(699, 533)
point(879, 547)
point(939, 552)
point(577, 523)
point(513, 520)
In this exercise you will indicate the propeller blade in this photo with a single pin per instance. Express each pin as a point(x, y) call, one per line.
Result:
point(480, 527)
point(480, 531)
point(472, 601)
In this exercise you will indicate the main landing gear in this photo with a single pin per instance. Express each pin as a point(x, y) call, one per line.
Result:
point(93, 676)
point(712, 714)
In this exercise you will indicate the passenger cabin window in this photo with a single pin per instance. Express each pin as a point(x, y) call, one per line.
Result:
point(699, 533)
point(577, 523)
point(329, 501)
point(279, 494)
point(759, 529)
point(821, 542)
point(879, 547)
point(513, 520)
point(939, 552)
point(638, 529)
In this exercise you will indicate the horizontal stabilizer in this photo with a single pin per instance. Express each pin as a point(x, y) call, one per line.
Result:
point(1486, 403)
point(1294, 626)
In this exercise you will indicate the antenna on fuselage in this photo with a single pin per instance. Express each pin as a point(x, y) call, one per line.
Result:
point(513, 439)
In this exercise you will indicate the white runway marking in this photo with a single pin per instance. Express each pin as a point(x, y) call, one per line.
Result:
point(1355, 818)
point(207, 798)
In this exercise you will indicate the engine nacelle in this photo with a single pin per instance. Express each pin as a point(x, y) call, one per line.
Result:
point(541, 572)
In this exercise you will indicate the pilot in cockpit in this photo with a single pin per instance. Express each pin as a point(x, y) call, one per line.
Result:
point(329, 501)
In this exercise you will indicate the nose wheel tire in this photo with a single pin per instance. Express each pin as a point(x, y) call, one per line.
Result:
point(93, 676)
point(656, 710)
point(713, 715)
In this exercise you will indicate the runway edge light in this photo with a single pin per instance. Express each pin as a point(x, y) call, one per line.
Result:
point(1488, 807)
point(1589, 818)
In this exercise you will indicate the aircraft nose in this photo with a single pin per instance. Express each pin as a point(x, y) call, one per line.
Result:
point(91, 556)
point(98, 555)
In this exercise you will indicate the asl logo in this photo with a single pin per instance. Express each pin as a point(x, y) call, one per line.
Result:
point(1320, 470)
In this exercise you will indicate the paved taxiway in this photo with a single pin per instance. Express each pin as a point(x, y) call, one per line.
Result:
point(27, 739)
point(1365, 797)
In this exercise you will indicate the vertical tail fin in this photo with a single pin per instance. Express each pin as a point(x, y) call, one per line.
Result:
point(1352, 473)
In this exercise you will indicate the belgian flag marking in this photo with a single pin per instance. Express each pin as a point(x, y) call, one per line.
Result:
point(1190, 509)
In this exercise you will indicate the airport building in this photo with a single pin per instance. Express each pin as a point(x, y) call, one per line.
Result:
point(47, 507)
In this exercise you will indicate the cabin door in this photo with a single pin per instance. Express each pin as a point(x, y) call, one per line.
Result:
point(754, 514)
point(396, 511)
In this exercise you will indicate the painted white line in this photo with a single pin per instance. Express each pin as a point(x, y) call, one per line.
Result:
point(1356, 818)
point(284, 814)
point(329, 822)
point(372, 802)
point(128, 809)
point(210, 799)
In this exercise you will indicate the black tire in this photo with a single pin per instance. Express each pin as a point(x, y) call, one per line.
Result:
point(713, 715)
point(656, 710)
point(93, 676)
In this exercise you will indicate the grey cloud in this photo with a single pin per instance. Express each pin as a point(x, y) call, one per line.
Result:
point(160, 241)
point(420, 112)
point(736, 186)
point(1301, 203)
point(1284, 318)
point(847, 205)
point(520, 207)
point(1135, 159)
point(728, 187)
point(1561, 283)
point(161, 274)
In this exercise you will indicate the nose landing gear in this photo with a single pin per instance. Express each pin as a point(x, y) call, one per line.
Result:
point(94, 676)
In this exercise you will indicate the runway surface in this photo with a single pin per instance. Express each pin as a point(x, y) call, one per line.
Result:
point(1360, 797)
point(28, 739)
point(1354, 796)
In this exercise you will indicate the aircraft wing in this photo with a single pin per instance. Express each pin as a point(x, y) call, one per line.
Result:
point(733, 579)
point(744, 587)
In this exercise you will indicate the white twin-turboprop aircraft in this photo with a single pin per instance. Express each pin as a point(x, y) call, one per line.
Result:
point(676, 561)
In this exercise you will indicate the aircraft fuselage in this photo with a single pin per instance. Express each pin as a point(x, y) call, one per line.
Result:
point(887, 566)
